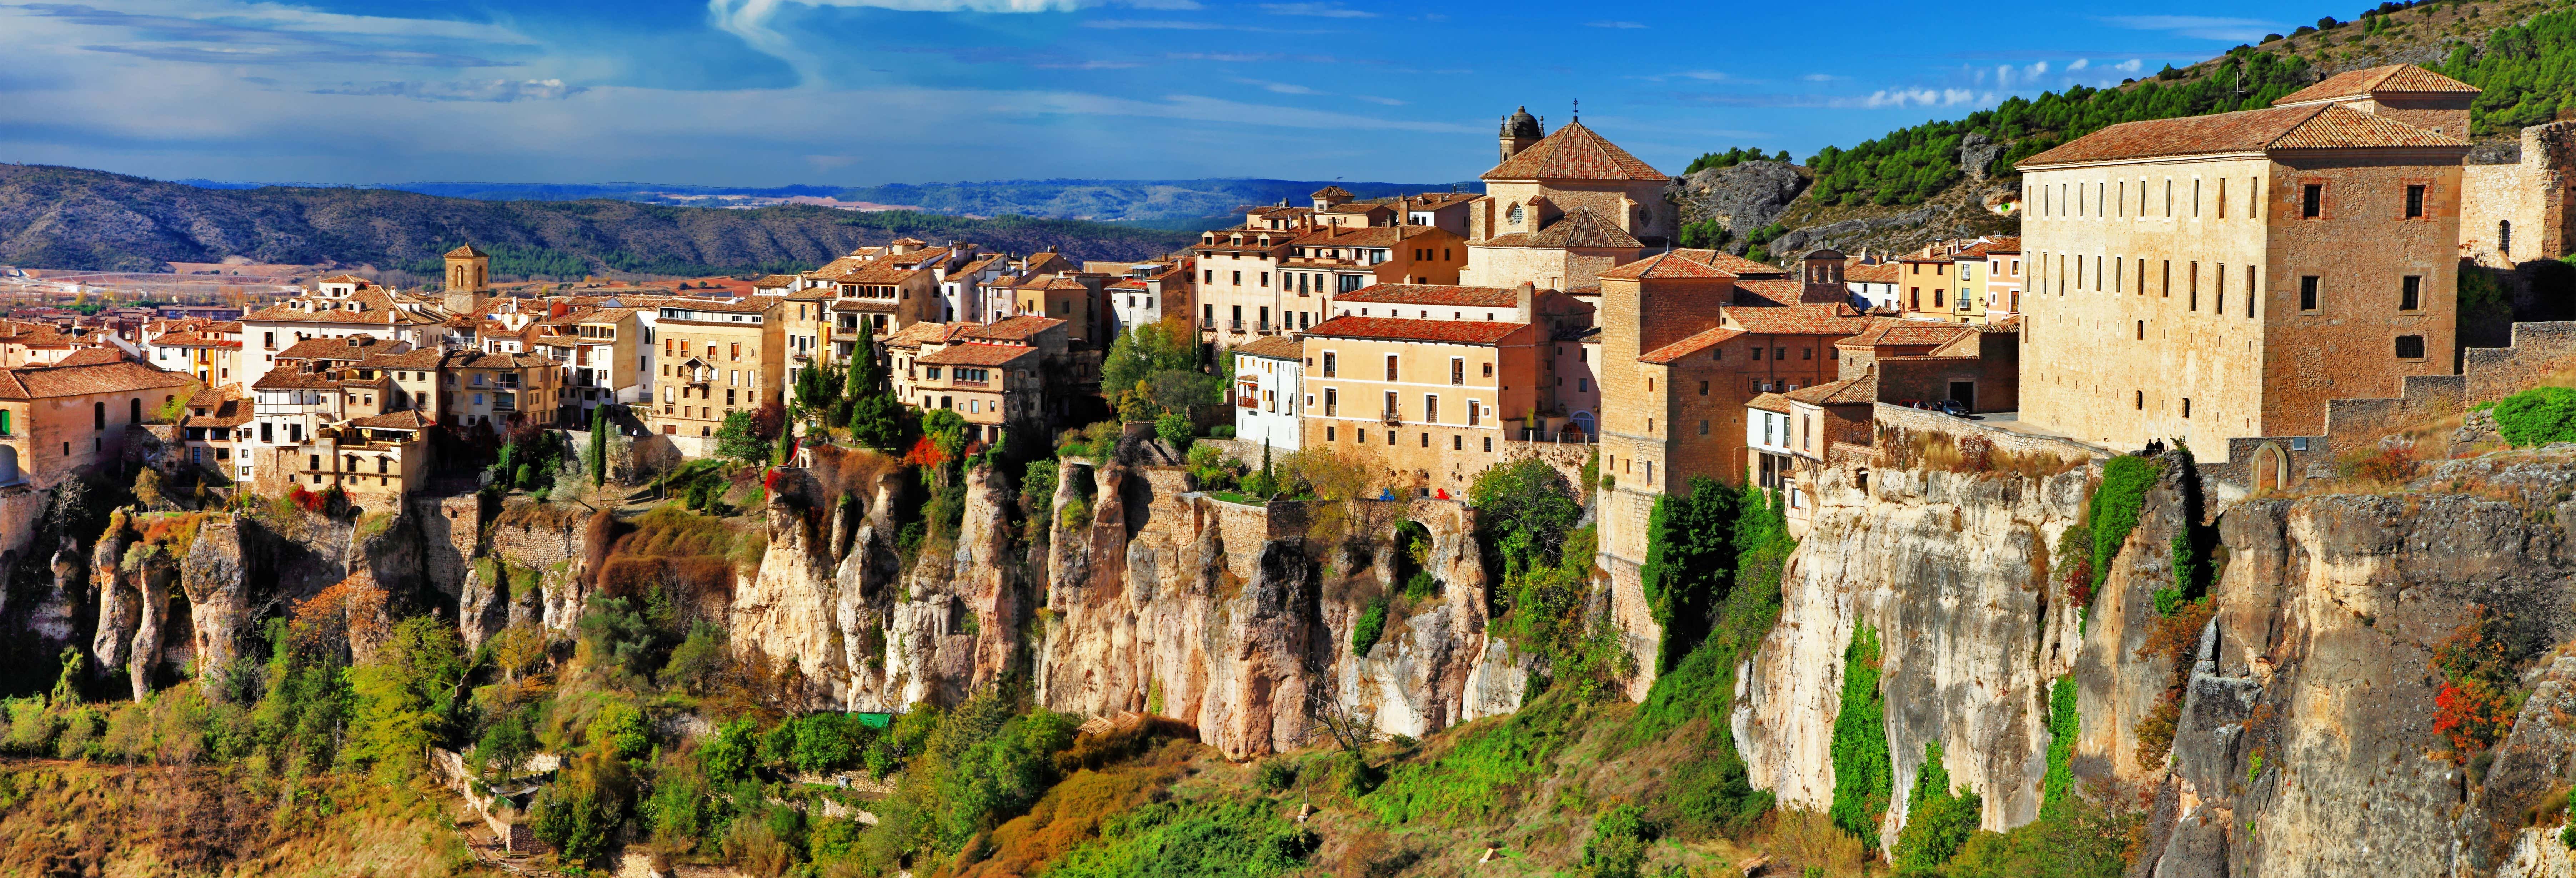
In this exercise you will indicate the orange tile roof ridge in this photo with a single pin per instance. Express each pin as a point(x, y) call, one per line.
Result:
point(2406, 78)
point(1573, 152)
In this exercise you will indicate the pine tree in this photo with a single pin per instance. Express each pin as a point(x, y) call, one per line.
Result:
point(599, 446)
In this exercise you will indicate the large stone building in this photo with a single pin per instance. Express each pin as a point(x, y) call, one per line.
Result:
point(1563, 207)
point(2223, 276)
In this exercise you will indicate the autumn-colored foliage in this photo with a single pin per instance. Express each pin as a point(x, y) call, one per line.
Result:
point(2477, 663)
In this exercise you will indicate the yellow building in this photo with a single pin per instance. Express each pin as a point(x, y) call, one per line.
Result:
point(1430, 398)
point(717, 358)
point(2223, 276)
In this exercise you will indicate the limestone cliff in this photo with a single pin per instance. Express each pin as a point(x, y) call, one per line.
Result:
point(1951, 570)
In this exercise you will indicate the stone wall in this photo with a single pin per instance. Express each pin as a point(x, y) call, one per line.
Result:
point(526, 535)
point(1928, 421)
point(2487, 374)
point(452, 529)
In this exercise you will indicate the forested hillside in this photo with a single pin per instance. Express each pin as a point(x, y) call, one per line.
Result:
point(54, 217)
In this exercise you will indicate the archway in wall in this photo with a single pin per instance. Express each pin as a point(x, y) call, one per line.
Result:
point(2271, 468)
point(1582, 422)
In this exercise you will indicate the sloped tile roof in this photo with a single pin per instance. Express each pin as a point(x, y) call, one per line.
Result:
point(1836, 320)
point(465, 252)
point(976, 354)
point(1020, 328)
point(2313, 126)
point(292, 379)
point(1276, 347)
point(1903, 332)
point(1432, 294)
point(1702, 341)
point(1873, 273)
point(1856, 390)
point(1769, 402)
point(1665, 266)
point(2386, 78)
point(1332, 192)
point(1573, 152)
point(424, 359)
point(355, 347)
point(122, 376)
point(222, 412)
point(401, 420)
point(1400, 329)
point(1580, 228)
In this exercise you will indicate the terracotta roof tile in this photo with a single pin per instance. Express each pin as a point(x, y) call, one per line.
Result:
point(1665, 266)
point(1580, 228)
point(1332, 192)
point(92, 357)
point(1834, 320)
point(401, 420)
point(2313, 126)
point(1573, 152)
point(292, 379)
point(465, 252)
point(976, 354)
point(1020, 328)
point(1702, 341)
point(1875, 273)
point(2387, 78)
point(1769, 402)
point(1479, 332)
point(353, 348)
point(1857, 390)
point(1276, 347)
point(1431, 294)
point(1906, 333)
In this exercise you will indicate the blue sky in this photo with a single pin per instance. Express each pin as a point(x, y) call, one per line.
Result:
point(772, 92)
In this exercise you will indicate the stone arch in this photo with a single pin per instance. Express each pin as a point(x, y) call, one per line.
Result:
point(1581, 422)
point(2271, 467)
point(8, 465)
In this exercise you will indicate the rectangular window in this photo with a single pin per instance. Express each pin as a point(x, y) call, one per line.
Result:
point(2312, 200)
point(2195, 198)
point(1430, 408)
point(1332, 402)
point(2222, 198)
point(2410, 347)
point(2307, 292)
point(2166, 285)
point(2252, 291)
point(2219, 276)
point(1457, 371)
point(1390, 405)
point(1390, 376)
point(2410, 293)
point(2192, 278)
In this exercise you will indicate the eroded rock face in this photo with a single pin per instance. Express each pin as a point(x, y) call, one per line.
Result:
point(1951, 570)
point(1743, 197)
point(222, 595)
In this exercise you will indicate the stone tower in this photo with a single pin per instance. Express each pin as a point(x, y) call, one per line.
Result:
point(468, 270)
point(1520, 131)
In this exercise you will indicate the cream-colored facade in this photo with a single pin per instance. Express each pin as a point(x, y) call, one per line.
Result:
point(1430, 398)
point(2226, 277)
point(720, 357)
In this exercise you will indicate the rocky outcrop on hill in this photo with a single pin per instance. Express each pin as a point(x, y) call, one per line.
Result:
point(1952, 571)
point(2304, 731)
point(1741, 197)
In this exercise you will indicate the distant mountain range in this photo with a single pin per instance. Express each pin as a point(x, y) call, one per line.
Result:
point(58, 217)
point(1160, 203)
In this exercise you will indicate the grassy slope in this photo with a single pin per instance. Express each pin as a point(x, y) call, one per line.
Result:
point(73, 818)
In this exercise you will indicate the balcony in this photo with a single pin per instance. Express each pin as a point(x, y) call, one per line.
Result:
point(1391, 420)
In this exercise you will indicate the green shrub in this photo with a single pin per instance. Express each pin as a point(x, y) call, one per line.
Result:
point(1222, 431)
point(1937, 819)
point(1365, 631)
point(1218, 838)
point(1620, 837)
point(2064, 724)
point(2538, 416)
point(1175, 430)
point(2114, 510)
point(1864, 778)
point(1274, 774)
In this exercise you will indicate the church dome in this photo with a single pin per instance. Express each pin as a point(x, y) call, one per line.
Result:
point(1521, 124)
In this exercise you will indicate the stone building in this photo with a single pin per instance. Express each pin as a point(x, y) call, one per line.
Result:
point(1433, 400)
point(717, 358)
point(1562, 207)
point(56, 421)
point(997, 388)
point(2223, 276)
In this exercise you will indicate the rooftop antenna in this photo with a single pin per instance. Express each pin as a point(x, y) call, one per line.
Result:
point(1578, 111)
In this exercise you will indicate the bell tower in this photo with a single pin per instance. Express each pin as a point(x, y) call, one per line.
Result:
point(468, 270)
point(1520, 131)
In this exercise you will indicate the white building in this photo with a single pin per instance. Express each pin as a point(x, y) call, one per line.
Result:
point(1767, 442)
point(1269, 373)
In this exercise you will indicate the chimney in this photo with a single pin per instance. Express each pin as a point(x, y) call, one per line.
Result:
point(1522, 296)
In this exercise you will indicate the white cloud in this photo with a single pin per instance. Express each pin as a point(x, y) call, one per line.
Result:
point(1379, 100)
point(1822, 77)
point(1285, 88)
point(1920, 97)
point(1318, 10)
point(2132, 65)
point(2008, 76)
point(1134, 24)
point(1617, 25)
point(2080, 63)
point(498, 90)
point(2231, 30)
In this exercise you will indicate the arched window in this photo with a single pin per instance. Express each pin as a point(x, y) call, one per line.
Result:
point(134, 411)
point(1517, 214)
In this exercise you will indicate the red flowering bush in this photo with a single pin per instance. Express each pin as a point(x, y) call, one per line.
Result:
point(2478, 664)
point(307, 500)
point(2473, 714)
